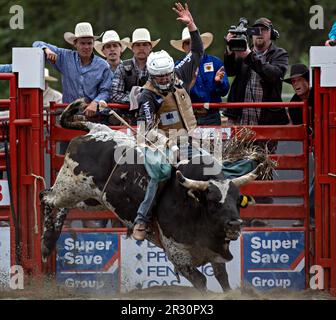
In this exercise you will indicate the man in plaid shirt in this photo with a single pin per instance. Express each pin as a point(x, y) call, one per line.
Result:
point(258, 78)
point(132, 72)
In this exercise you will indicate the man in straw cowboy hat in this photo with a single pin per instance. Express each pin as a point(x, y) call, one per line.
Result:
point(50, 94)
point(165, 96)
point(84, 75)
point(132, 72)
point(111, 48)
point(211, 82)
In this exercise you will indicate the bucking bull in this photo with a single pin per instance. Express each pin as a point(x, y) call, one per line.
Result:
point(193, 231)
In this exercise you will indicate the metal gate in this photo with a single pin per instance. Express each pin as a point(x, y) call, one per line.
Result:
point(25, 165)
point(325, 180)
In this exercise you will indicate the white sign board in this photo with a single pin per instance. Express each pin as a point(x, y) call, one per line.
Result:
point(325, 58)
point(4, 256)
point(144, 265)
point(29, 63)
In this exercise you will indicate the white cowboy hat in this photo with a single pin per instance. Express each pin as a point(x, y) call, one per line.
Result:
point(206, 37)
point(141, 35)
point(48, 77)
point(110, 36)
point(82, 30)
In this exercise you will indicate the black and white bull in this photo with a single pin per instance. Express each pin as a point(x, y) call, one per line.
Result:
point(197, 216)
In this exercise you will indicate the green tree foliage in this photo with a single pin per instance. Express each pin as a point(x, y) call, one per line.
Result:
point(48, 20)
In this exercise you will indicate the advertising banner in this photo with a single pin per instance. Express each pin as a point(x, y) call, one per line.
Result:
point(89, 261)
point(273, 259)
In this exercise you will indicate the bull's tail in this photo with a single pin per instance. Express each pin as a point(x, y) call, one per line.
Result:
point(67, 117)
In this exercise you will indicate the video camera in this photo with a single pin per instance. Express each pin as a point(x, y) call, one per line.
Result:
point(241, 32)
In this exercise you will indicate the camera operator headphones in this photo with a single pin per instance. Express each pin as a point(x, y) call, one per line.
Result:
point(268, 23)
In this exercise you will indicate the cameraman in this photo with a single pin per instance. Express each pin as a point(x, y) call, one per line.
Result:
point(258, 78)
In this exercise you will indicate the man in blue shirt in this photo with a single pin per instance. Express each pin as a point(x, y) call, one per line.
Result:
point(5, 68)
point(211, 82)
point(84, 75)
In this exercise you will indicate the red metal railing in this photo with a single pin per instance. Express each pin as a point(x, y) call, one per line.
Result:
point(26, 151)
point(5, 211)
point(259, 188)
point(26, 133)
point(325, 180)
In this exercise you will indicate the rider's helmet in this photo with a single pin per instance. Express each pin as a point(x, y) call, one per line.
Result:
point(160, 66)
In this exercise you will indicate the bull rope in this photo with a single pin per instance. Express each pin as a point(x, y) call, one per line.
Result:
point(35, 193)
point(112, 112)
point(110, 176)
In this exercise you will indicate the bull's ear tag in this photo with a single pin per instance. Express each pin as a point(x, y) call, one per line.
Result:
point(243, 201)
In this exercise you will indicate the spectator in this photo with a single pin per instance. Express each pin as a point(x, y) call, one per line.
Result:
point(299, 79)
point(111, 48)
point(165, 94)
point(50, 94)
point(258, 73)
point(258, 78)
point(132, 72)
point(211, 82)
point(332, 36)
point(4, 115)
point(5, 68)
point(84, 75)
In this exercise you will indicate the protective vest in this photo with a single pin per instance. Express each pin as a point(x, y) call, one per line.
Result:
point(176, 111)
point(132, 77)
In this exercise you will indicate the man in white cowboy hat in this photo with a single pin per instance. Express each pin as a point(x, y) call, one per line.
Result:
point(111, 48)
point(165, 97)
point(50, 94)
point(211, 83)
point(132, 72)
point(84, 75)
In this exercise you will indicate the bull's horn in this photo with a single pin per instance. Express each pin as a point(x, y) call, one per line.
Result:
point(247, 178)
point(191, 184)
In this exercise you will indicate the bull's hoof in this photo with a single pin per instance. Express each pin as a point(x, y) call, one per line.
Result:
point(45, 252)
point(48, 243)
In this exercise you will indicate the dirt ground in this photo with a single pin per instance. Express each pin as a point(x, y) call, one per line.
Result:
point(42, 289)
